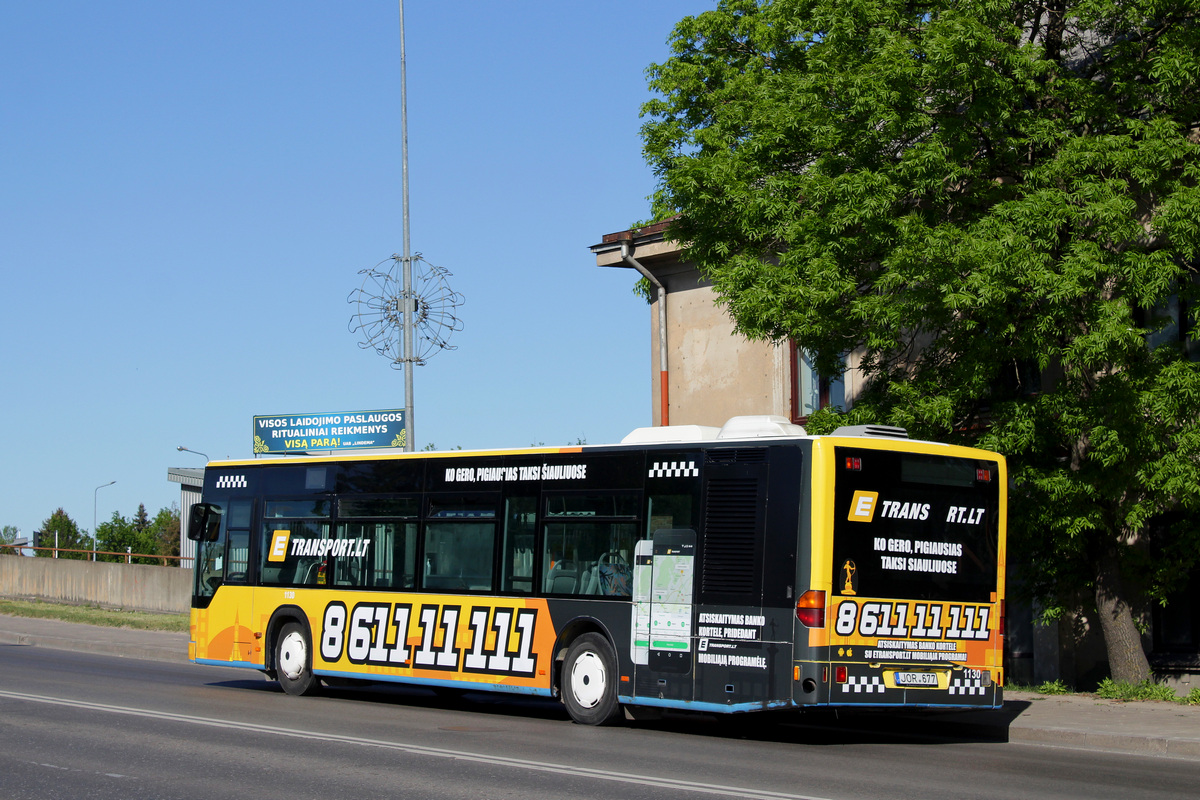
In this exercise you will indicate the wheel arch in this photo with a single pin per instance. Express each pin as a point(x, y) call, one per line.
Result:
point(569, 633)
point(282, 616)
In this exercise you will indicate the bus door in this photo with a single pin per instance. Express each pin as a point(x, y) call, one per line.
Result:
point(222, 531)
point(663, 614)
point(742, 656)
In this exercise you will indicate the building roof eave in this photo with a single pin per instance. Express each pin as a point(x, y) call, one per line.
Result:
point(649, 242)
point(189, 476)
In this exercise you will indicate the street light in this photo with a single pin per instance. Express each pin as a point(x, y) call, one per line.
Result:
point(183, 449)
point(94, 494)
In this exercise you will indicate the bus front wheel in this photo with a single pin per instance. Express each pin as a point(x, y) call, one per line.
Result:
point(293, 661)
point(589, 681)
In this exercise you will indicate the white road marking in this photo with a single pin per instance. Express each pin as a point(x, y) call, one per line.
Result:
point(436, 752)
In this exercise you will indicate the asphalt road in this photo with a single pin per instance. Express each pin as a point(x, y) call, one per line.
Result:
point(82, 725)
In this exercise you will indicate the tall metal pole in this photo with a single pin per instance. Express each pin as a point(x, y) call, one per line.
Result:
point(407, 296)
point(95, 495)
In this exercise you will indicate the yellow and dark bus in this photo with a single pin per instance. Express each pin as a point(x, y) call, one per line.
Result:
point(746, 568)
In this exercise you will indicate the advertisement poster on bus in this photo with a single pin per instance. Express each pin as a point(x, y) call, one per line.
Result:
point(342, 430)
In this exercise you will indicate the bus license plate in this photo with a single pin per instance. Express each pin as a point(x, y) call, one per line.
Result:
point(916, 679)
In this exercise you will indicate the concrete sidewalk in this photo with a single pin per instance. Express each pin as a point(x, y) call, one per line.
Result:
point(1080, 720)
point(123, 642)
point(1149, 727)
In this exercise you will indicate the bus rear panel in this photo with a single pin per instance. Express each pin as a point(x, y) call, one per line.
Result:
point(910, 543)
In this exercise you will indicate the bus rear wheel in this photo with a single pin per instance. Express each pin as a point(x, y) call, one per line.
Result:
point(293, 661)
point(589, 681)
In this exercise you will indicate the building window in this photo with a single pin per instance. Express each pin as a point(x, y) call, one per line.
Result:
point(811, 391)
point(1174, 317)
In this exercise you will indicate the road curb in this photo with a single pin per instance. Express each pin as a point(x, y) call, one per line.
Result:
point(1099, 740)
point(165, 652)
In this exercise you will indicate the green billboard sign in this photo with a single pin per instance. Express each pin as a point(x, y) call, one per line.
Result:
point(346, 430)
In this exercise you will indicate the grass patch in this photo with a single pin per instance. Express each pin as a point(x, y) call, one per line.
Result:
point(1052, 687)
point(92, 615)
point(1115, 690)
point(1146, 690)
point(1049, 687)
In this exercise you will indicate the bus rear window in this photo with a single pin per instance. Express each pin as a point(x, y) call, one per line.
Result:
point(936, 470)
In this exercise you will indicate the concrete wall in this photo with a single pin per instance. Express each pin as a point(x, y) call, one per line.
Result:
point(135, 587)
point(713, 372)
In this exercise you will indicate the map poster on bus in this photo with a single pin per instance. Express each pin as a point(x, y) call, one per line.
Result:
point(341, 430)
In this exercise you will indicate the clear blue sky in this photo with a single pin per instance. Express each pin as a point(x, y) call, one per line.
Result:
point(188, 191)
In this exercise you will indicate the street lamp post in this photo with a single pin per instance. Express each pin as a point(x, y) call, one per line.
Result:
point(94, 495)
point(183, 449)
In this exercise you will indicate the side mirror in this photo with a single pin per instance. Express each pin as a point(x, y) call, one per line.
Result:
point(204, 522)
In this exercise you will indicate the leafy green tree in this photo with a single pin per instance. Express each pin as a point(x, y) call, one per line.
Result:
point(112, 536)
point(69, 537)
point(141, 521)
point(9, 534)
point(165, 529)
point(120, 535)
point(971, 195)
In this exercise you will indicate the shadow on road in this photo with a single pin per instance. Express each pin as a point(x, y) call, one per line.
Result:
point(830, 727)
point(823, 727)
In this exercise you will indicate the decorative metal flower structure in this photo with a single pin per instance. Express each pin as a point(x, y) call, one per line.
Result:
point(379, 314)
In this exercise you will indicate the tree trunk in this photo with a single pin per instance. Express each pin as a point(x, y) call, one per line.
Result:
point(1126, 658)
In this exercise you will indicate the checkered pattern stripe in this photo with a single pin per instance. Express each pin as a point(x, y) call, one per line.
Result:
point(863, 683)
point(966, 686)
point(674, 469)
point(231, 482)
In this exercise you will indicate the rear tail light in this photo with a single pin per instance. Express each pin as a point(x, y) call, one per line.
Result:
point(840, 674)
point(810, 608)
point(1000, 622)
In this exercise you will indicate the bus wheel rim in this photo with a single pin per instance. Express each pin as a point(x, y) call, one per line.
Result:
point(292, 656)
point(588, 679)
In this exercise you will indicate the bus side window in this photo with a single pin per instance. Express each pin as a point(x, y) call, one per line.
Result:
point(380, 553)
point(377, 537)
point(292, 547)
point(237, 555)
point(238, 559)
point(459, 543)
point(458, 555)
point(588, 543)
point(670, 511)
point(519, 527)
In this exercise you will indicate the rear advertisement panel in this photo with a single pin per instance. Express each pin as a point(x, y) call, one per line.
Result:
point(915, 575)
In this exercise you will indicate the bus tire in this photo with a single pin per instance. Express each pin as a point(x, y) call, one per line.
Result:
point(589, 681)
point(293, 661)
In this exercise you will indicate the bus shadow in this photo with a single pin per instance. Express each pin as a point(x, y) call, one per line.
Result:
point(821, 727)
point(414, 696)
point(826, 727)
